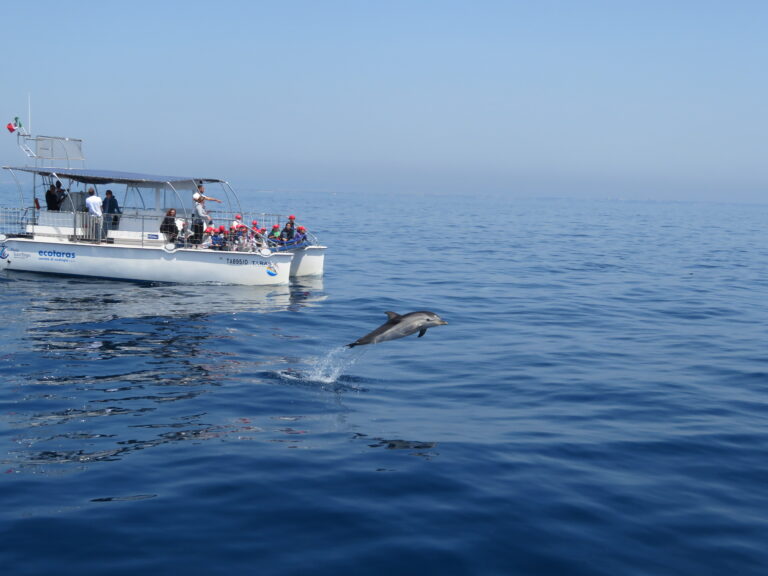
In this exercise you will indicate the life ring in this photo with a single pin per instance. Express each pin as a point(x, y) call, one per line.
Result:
point(266, 252)
point(170, 247)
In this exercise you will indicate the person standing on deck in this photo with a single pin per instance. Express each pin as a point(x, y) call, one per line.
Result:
point(201, 193)
point(94, 204)
point(61, 193)
point(200, 219)
point(52, 199)
point(112, 208)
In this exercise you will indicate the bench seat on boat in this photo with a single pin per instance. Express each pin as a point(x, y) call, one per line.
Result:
point(134, 237)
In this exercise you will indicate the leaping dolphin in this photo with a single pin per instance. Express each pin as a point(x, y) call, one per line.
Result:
point(399, 326)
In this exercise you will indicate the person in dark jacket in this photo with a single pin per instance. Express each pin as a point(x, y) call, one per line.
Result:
point(168, 225)
point(289, 231)
point(111, 211)
point(52, 199)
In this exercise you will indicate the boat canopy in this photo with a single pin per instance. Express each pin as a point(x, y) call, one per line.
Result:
point(110, 176)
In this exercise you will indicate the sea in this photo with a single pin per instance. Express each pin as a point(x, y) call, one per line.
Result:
point(596, 405)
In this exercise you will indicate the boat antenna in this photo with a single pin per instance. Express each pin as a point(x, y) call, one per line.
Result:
point(29, 112)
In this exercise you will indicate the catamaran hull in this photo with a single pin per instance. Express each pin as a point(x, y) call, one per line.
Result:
point(308, 261)
point(152, 264)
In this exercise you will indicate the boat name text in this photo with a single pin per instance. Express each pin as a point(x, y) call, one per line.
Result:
point(246, 262)
point(56, 254)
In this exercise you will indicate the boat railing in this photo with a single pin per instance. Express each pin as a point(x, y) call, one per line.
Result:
point(139, 228)
point(13, 221)
point(265, 221)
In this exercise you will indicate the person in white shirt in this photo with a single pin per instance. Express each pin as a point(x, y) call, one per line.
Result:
point(93, 203)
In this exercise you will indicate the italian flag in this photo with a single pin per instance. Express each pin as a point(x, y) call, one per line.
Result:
point(13, 126)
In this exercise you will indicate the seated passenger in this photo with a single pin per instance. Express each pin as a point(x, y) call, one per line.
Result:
point(168, 225)
point(288, 232)
point(207, 237)
point(274, 235)
point(301, 236)
point(257, 238)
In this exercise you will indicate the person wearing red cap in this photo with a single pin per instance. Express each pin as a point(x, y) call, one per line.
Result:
point(217, 238)
point(301, 236)
point(274, 235)
point(237, 221)
point(255, 236)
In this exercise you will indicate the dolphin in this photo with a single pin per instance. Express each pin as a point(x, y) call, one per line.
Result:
point(399, 326)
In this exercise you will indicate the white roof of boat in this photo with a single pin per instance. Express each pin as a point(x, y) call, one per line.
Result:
point(109, 176)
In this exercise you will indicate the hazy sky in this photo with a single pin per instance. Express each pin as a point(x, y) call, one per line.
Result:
point(631, 99)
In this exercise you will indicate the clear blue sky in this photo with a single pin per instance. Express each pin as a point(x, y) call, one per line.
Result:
point(631, 99)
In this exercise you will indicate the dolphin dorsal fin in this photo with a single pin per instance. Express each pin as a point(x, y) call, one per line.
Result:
point(392, 315)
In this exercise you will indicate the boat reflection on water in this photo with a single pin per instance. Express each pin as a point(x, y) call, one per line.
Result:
point(83, 300)
point(97, 369)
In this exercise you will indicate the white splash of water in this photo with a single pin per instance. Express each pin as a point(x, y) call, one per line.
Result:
point(328, 368)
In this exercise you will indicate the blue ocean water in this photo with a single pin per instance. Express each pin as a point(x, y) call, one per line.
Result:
point(597, 404)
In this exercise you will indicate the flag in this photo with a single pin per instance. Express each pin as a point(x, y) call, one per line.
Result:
point(13, 126)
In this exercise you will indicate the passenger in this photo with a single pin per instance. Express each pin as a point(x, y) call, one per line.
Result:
point(60, 192)
point(94, 203)
point(200, 219)
point(208, 238)
point(274, 235)
point(201, 193)
point(217, 238)
point(289, 231)
point(238, 221)
point(243, 237)
point(256, 236)
point(168, 226)
point(301, 236)
point(52, 199)
point(111, 207)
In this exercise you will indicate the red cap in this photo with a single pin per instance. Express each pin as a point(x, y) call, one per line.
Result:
point(275, 226)
point(254, 223)
point(291, 217)
point(222, 228)
point(238, 217)
point(301, 228)
point(263, 230)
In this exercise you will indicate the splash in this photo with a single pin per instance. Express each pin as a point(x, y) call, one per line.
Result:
point(329, 368)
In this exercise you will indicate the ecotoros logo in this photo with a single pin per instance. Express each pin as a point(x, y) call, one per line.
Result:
point(55, 254)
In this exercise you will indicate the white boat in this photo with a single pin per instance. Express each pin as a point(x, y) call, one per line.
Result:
point(130, 245)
